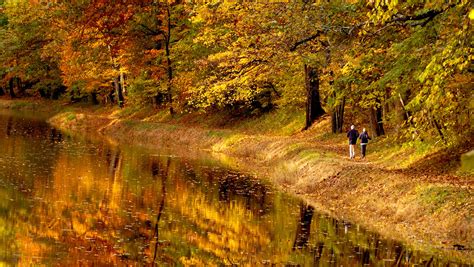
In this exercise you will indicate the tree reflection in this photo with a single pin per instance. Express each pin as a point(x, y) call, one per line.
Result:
point(55, 135)
point(232, 185)
point(9, 126)
point(304, 226)
point(155, 172)
point(318, 253)
point(398, 256)
point(113, 158)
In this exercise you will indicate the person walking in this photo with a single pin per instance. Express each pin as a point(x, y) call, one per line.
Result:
point(364, 140)
point(352, 135)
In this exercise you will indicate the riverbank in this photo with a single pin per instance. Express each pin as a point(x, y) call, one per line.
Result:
point(426, 207)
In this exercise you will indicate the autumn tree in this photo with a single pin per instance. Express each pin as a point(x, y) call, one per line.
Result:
point(239, 71)
point(279, 51)
point(26, 60)
point(95, 41)
point(426, 63)
point(322, 35)
point(156, 28)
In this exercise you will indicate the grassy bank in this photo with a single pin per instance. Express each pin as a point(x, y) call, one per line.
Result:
point(27, 104)
point(409, 192)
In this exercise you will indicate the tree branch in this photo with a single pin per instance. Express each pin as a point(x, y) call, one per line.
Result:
point(272, 86)
point(244, 68)
point(307, 39)
point(345, 29)
point(418, 20)
point(403, 18)
point(429, 15)
point(151, 31)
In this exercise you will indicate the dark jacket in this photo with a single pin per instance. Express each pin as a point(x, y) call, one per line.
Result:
point(352, 135)
point(364, 138)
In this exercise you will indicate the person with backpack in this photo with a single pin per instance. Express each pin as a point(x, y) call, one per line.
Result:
point(364, 140)
point(352, 135)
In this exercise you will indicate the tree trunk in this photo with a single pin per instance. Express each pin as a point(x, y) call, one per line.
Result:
point(373, 122)
point(314, 109)
point(387, 104)
point(118, 89)
point(157, 100)
point(168, 59)
point(405, 114)
point(19, 86)
point(93, 98)
point(111, 96)
point(337, 117)
point(122, 83)
point(11, 84)
point(2, 92)
point(376, 121)
point(379, 116)
point(438, 129)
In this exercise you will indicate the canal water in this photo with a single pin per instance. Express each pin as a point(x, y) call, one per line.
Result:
point(68, 200)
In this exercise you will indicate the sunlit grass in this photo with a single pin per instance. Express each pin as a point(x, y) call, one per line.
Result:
point(435, 197)
point(283, 121)
point(70, 116)
point(22, 105)
point(396, 154)
point(128, 111)
point(217, 133)
point(228, 142)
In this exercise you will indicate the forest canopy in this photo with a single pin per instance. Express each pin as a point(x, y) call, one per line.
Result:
point(403, 65)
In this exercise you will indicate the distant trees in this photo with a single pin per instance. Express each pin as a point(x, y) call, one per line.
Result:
point(398, 65)
point(25, 39)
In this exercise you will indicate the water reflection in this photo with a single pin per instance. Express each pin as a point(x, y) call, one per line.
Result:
point(155, 172)
point(304, 226)
point(234, 185)
point(67, 201)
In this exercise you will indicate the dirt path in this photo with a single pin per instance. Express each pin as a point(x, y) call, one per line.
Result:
point(431, 170)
